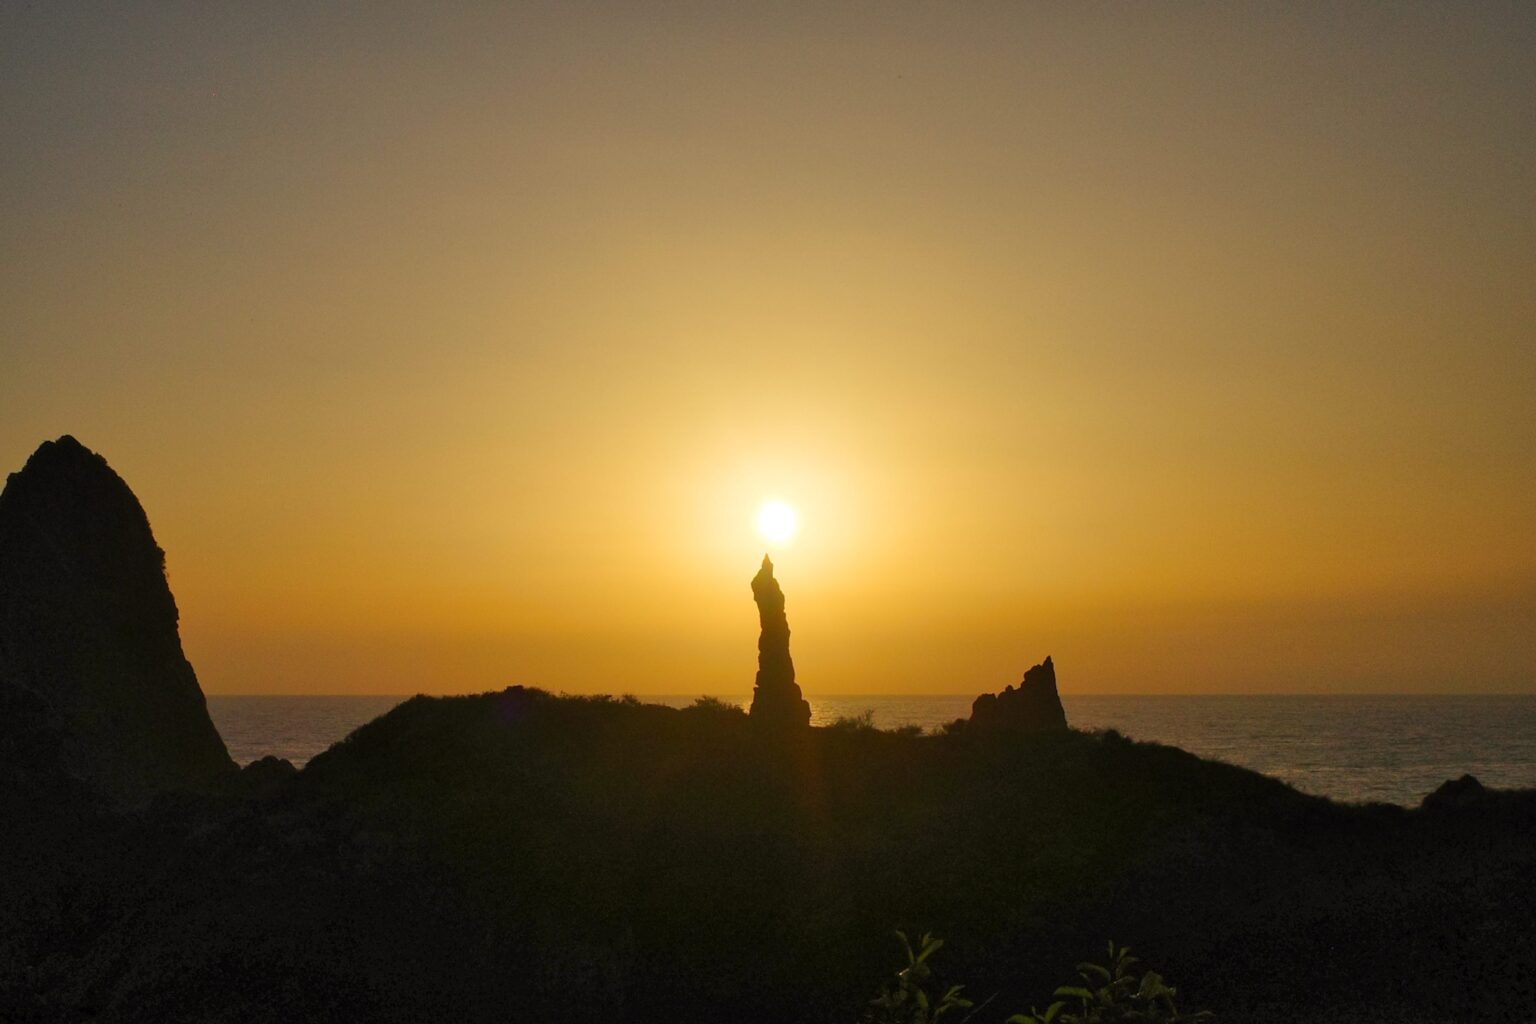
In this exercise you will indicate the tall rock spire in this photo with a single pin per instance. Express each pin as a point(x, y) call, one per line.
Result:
point(776, 700)
point(88, 641)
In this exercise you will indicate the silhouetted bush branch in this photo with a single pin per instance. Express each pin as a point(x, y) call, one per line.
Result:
point(863, 722)
point(1111, 993)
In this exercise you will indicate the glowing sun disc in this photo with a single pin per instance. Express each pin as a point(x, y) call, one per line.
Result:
point(777, 522)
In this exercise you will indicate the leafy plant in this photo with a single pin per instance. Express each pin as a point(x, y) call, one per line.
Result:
point(1112, 993)
point(914, 997)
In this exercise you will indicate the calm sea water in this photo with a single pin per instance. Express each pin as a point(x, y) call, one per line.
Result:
point(1393, 749)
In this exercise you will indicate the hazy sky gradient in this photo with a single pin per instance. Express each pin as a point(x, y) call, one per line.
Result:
point(1194, 345)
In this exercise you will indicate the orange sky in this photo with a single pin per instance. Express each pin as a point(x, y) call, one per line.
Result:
point(1192, 345)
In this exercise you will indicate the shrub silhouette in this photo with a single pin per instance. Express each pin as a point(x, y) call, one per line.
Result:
point(914, 997)
point(862, 722)
point(1110, 993)
point(707, 705)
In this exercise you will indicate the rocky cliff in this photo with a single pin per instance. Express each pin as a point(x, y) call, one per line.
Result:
point(88, 635)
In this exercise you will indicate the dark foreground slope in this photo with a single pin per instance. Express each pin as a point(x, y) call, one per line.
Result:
point(514, 856)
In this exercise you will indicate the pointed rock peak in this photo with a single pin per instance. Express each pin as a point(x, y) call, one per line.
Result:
point(66, 500)
point(88, 630)
point(766, 588)
point(1034, 706)
point(67, 455)
point(64, 455)
point(65, 448)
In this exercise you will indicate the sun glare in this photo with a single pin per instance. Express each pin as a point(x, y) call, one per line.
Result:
point(777, 523)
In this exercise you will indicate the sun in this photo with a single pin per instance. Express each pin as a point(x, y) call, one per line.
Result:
point(777, 522)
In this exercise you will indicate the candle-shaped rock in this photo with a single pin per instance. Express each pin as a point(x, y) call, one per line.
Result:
point(776, 699)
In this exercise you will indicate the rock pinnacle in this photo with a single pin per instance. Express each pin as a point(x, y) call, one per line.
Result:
point(776, 699)
point(89, 649)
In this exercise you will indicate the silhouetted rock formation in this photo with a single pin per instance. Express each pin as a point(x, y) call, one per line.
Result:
point(776, 700)
point(1468, 799)
point(1034, 706)
point(1456, 794)
point(88, 640)
point(266, 776)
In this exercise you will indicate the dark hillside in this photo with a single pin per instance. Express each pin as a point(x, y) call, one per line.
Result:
point(518, 856)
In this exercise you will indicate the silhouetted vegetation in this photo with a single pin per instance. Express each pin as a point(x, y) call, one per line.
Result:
point(1109, 993)
point(915, 997)
point(864, 721)
point(714, 706)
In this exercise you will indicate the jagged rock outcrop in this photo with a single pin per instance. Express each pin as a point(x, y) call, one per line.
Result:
point(1465, 799)
point(266, 776)
point(1032, 706)
point(776, 699)
point(88, 635)
point(1456, 795)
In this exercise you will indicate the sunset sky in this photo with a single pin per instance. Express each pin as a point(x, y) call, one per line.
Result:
point(1194, 345)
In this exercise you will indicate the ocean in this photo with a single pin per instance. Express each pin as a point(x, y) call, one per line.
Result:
point(1392, 749)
